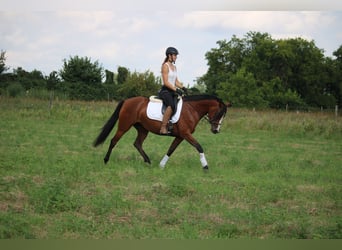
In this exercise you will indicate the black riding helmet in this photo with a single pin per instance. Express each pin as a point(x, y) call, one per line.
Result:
point(171, 51)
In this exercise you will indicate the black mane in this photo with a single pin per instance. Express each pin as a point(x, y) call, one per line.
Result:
point(190, 98)
point(219, 114)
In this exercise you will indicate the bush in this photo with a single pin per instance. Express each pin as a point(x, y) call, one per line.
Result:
point(326, 101)
point(86, 92)
point(15, 90)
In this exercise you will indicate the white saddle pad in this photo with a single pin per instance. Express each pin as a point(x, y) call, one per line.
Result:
point(154, 111)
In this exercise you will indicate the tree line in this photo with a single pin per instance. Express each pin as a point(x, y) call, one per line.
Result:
point(259, 71)
point(79, 79)
point(253, 71)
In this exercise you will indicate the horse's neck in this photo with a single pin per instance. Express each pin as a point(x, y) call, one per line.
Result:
point(200, 107)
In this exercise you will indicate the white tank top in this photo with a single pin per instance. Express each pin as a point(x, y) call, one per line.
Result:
point(172, 76)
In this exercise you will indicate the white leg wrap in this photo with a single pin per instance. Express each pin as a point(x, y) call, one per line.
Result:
point(163, 161)
point(203, 160)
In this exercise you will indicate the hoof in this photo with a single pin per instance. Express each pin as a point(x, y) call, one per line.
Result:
point(105, 160)
point(206, 168)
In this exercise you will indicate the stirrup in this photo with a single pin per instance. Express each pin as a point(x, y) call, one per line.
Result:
point(169, 128)
point(167, 133)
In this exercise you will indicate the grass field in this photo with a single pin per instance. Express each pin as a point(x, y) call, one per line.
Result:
point(272, 175)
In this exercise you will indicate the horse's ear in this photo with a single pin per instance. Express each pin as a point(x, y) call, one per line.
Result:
point(228, 104)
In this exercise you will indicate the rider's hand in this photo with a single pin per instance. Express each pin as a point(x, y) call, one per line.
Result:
point(179, 92)
point(185, 90)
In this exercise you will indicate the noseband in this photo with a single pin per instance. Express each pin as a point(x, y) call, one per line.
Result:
point(212, 121)
point(220, 114)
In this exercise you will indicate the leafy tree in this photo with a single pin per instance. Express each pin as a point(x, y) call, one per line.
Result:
point(241, 89)
point(198, 88)
point(338, 54)
point(285, 70)
point(306, 69)
point(257, 59)
point(3, 67)
point(52, 81)
point(279, 97)
point(123, 73)
point(5, 78)
point(139, 84)
point(282, 61)
point(109, 77)
point(82, 79)
point(29, 80)
point(336, 86)
point(223, 61)
point(81, 70)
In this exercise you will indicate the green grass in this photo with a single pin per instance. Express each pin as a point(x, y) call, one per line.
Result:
point(272, 175)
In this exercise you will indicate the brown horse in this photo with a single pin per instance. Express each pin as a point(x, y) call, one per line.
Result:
point(132, 112)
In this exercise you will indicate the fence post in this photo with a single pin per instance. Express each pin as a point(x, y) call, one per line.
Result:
point(51, 99)
point(336, 110)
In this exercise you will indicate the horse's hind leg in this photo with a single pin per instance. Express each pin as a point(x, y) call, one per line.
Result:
point(142, 134)
point(113, 142)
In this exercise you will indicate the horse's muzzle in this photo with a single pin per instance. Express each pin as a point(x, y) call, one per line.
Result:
point(215, 131)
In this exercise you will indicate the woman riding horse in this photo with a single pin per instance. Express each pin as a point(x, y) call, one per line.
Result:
point(132, 112)
point(170, 84)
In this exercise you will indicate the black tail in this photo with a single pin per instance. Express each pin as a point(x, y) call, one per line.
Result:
point(107, 128)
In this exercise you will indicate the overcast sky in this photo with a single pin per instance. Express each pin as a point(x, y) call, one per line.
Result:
point(40, 37)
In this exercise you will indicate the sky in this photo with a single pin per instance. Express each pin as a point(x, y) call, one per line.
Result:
point(41, 34)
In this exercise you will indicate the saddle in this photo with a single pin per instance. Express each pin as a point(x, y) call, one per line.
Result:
point(154, 98)
point(156, 109)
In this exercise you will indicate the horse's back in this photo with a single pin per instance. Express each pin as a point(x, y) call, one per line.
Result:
point(135, 105)
point(136, 101)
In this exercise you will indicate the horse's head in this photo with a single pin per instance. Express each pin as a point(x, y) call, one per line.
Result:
point(211, 107)
point(216, 114)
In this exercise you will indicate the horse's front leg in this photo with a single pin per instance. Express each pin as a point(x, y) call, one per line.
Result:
point(189, 138)
point(172, 148)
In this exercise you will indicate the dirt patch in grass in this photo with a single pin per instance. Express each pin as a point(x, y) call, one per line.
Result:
point(310, 188)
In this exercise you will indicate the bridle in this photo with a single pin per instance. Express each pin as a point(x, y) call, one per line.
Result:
point(213, 122)
point(221, 113)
